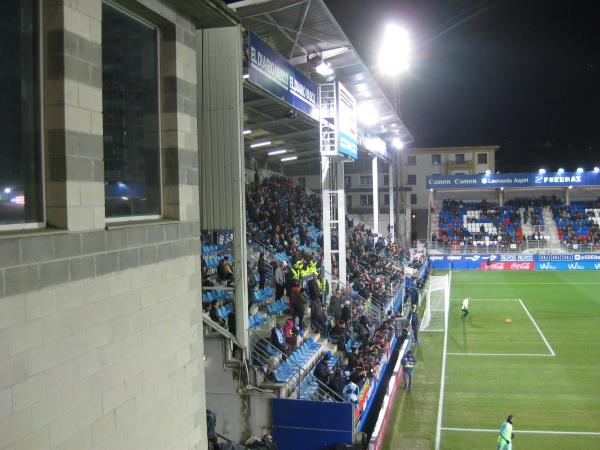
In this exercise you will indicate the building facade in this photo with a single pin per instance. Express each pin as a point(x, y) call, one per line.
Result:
point(100, 324)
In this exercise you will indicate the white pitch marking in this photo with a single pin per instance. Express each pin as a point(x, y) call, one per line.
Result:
point(485, 299)
point(438, 432)
point(485, 430)
point(537, 328)
point(526, 283)
point(500, 354)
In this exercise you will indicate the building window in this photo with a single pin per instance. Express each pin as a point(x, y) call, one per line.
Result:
point(482, 158)
point(366, 200)
point(132, 177)
point(386, 180)
point(460, 158)
point(411, 160)
point(366, 180)
point(302, 181)
point(413, 199)
point(347, 180)
point(411, 180)
point(21, 187)
point(436, 160)
point(349, 201)
point(386, 199)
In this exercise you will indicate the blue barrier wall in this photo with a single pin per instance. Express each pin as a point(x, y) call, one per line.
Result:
point(308, 425)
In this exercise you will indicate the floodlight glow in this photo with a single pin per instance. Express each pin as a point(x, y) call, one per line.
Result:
point(367, 114)
point(324, 69)
point(277, 152)
point(570, 187)
point(501, 188)
point(579, 170)
point(260, 144)
point(561, 170)
point(289, 158)
point(247, 132)
point(246, 76)
point(397, 143)
point(596, 169)
point(488, 172)
point(7, 190)
point(542, 171)
point(394, 53)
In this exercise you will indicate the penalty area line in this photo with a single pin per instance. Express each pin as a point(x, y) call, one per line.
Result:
point(500, 354)
point(517, 432)
point(537, 327)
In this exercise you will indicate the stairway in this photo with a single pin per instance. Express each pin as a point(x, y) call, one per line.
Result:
point(551, 231)
point(527, 228)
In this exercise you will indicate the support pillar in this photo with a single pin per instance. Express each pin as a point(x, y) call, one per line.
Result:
point(501, 197)
point(567, 196)
point(391, 205)
point(221, 156)
point(375, 178)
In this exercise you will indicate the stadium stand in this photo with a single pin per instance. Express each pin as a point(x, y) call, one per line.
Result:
point(577, 223)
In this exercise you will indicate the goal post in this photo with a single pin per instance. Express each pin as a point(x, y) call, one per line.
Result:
point(437, 303)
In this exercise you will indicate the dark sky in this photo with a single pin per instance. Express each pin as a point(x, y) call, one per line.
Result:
point(524, 75)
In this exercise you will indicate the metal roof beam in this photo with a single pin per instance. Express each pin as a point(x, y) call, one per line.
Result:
point(285, 33)
point(299, 32)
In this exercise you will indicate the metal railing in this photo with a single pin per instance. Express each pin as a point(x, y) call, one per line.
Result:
point(268, 356)
point(580, 248)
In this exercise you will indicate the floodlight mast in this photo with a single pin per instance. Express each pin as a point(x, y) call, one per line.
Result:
point(394, 53)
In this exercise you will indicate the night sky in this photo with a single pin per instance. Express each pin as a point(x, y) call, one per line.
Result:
point(524, 75)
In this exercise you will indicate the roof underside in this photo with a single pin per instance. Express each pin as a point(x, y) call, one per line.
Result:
point(301, 30)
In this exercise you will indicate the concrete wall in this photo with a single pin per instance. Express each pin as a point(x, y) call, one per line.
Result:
point(100, 329)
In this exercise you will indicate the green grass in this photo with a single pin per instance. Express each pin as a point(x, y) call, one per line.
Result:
point(545, 393)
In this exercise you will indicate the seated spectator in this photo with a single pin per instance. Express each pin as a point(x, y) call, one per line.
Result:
point(351, 392)
point(290, 332)
point(224, 270)
point(213, 313)
point(278, 339)
point(321, 371)
point(338, 382)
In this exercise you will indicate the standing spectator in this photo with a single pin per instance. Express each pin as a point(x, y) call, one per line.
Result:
point(262, 271)
point(346, 312)
point(321, 371)
point(279, 281)
point(408, 364)
point(214, 313)
point(414, 321)
point(301, 305)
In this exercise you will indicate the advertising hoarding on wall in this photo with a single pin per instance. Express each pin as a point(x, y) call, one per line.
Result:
point(270, 71)
point(565, 261)
point(347, 123)
point(513, 180)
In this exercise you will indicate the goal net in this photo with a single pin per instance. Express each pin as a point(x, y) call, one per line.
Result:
point(437, 304)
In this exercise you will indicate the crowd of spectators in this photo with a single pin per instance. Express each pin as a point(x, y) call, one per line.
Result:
point(577, 223)
point(504, 224)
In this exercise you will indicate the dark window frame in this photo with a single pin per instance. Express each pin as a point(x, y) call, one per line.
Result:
point(409, 178)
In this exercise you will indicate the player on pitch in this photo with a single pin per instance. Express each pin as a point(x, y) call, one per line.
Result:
point(506, 435)
point(465, 308)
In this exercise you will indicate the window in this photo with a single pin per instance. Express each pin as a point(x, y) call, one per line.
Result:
point(386, 180)
point(347, 180)
point(482, 158)
point(436, 160)
point(131, 115)
point(411, 180)
point(460, 158)
point(366, 180)
point(411, 160)
point(302, 181)
point(366, 200)
point(348, 201)
point(386, 199)
point(21, 187)
point(413, 199)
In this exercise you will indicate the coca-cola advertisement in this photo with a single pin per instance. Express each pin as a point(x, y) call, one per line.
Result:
point(507, 265)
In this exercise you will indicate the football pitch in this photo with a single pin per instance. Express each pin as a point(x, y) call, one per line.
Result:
point(543, 367)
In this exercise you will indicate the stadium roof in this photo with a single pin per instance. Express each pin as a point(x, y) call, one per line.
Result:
point(304, 31)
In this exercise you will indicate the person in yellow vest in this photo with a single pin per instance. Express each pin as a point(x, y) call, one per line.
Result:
point(297, 270)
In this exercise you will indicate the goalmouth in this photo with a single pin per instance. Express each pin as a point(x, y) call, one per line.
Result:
point(437, 303)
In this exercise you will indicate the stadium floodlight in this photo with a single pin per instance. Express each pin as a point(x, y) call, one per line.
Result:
point(501, 188)
point(324, 68)
point(580, 170)
point(367, 114)
point(289, 158)
point(247, 132)
point(246, 76)
point(488, 172)
point(542, 171)
point(596, 169)
point(277, 152)
point(570, 187)
point(397, 143)
point(7, 190)
point(260, 144)
point(561, 170)
point(394, 53)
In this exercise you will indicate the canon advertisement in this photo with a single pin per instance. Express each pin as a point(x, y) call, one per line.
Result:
point(573, 261)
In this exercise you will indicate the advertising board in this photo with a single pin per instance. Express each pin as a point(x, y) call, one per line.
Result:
point(564, 261)
point(347, 123)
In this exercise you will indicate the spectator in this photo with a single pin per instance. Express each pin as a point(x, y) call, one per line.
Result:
point(338, 382)
point(262, 271)
point(351, 392)
point(278, 339)
point(224, 270)
point(279, 281)
point(300, 303)
point(321, 371)
point(290, 332)
point(346, 312)
point(213, 313)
